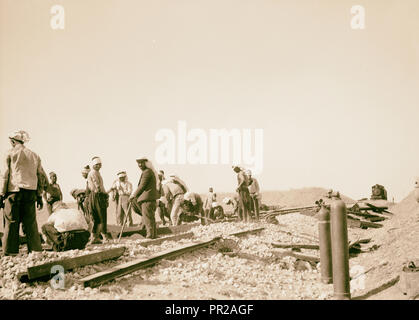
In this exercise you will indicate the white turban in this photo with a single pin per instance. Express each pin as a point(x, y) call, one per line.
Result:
point(96, 160)
point(19, 135)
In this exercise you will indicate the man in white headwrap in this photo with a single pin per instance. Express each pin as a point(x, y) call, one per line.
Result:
point(144, 198)
point(22, 182)
point(121, 190)
point(98, 201)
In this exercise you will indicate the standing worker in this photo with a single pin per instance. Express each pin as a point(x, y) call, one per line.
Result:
point(208, 208)
point(254, 191)
point(144, 198)
point(98, 201)
point(122, 190)
point(243, 191)
point(53, 193)
point(22, 182)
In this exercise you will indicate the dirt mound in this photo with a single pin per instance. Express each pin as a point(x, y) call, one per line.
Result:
point(297, 197)
point(398, 244)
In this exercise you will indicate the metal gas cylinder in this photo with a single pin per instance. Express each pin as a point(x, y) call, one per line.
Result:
point(416, 191)
point(340, 250)
point(325, 244)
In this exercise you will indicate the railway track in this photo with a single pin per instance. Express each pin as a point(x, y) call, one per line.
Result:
point(185, 246)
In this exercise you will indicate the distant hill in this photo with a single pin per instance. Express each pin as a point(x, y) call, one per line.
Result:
point(288, 198)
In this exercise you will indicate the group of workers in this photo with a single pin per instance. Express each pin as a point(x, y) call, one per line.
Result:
point(24, 185)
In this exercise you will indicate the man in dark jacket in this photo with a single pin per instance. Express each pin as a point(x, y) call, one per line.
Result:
point(144, 198)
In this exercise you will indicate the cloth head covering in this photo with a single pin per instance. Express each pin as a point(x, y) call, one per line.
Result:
point(174, 177)
point(248, 172)
point(142, 159)
point(214, 204)
point(96, 160)
point(121, 174)
point(149, 165)
point(20, 135)
point(86, 169)
point(76, 192)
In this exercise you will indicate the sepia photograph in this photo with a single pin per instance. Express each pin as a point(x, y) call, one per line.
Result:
point(212, 155)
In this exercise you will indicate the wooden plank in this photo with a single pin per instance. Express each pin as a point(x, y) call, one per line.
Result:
point(71, 263)
point(243, 233)
point(170, 238)
point(115, 230)
point(99, 278)
point(297, 256)
point(295, 245)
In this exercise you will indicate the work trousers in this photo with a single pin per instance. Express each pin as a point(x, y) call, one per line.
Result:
point(98, 208)
point(255, 202)
point(176, 209)
point(19, 207)
point(122, 210)
point(244, 200)
point(162, 212)
point(148, 209)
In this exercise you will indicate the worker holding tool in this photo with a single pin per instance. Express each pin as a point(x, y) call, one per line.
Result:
point(22, 182)
point(144, 198)
point(121, 190)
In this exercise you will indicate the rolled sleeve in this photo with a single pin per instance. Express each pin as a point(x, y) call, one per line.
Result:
point(5, 172)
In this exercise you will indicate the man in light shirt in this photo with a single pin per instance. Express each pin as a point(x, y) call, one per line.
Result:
point(121, 190)
point(22, 182)
point(174, 189)
point(208, 208)
point(66, 228)
point(98, 201)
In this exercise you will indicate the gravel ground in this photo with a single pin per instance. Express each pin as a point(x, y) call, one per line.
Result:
point(251, 271)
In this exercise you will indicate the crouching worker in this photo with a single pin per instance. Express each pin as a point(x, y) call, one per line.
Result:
point(66, 228)
point(192, 208)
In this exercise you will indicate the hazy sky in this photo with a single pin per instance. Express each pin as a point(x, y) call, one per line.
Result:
point(338, 107)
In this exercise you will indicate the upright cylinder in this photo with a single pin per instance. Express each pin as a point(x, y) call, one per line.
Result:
point(340, 250)
point(325, 244)
point(416, 192)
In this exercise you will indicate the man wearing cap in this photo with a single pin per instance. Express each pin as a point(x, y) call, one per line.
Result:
point(144, 197)
point(254, 191)
point(22, 182)
point(121, 190)
point(53, 192)
point(98, 201)
point(243, 191)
